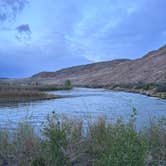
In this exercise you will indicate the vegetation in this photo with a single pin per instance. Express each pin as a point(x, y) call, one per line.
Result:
point(35, 91)
point(68, 84)
point(36, 86)
point(161, 87)
point(148, 86)
point(51, 87)
point(22, 93)
point(151, 89)
point(65, 142)
point(158, 87)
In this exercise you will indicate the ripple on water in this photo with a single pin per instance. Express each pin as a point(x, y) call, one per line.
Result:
point(86, 103)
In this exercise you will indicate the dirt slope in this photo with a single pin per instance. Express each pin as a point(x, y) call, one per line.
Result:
point(150, 68)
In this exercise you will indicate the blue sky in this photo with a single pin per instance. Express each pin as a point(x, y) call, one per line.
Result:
point(40, 35)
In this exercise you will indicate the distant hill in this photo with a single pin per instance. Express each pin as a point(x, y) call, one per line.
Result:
point(150, 68)
point(146, 75)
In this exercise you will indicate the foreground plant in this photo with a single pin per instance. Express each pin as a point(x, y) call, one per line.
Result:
point(65, 142)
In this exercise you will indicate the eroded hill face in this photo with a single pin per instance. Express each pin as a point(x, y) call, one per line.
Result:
point(150, 68)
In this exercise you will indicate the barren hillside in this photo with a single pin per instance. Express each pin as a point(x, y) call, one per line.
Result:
point(148, 69)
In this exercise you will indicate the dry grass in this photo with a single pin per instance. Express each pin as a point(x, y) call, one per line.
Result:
point(8, 94)
point(18, 92)
point(64, 143)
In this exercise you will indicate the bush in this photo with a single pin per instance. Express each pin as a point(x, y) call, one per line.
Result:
point(161, 87)
point(68, 84)
point(64, 143)
point(156, 138)
point(116, 145)
point(22, 149)
point(55, 141)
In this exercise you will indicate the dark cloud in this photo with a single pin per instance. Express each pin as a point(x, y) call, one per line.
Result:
point(23, 32)
point(9, 9)
point(24, 63)
point(23, 28)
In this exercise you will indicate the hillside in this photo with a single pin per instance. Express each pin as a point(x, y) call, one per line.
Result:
point(148, 69)
point(146, 75)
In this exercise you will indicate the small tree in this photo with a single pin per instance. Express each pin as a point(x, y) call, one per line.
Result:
point(68, 84)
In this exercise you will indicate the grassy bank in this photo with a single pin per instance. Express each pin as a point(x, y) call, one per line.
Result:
point(51, 87)
point(16, 94)
point(29, 92)
point(149, 89)
point(64, 143)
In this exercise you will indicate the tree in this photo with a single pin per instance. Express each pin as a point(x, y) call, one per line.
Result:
point(68, 84)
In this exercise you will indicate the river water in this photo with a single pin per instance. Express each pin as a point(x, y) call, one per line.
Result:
point(85, 103)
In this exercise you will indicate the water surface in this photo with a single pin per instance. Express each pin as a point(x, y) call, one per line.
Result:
point(85, 103)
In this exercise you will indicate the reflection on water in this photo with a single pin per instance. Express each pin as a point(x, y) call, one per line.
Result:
point(83, 104)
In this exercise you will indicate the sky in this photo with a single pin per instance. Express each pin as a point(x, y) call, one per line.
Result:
point(40, 35)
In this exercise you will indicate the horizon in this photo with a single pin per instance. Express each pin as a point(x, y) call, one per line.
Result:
point(37, 36)
point(76, 66)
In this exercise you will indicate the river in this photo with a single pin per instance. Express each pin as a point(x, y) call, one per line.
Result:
point(85, 103)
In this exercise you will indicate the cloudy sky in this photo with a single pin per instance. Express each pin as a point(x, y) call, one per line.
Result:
point(40, 35)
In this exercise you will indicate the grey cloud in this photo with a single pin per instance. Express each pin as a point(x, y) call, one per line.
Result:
point(34, 61)
point(113, 31)
point(75, 32)
point(23, 28)
point(9, 9)
point(3, 16)
point(23, 32)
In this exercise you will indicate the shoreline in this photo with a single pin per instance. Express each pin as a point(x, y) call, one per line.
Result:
point(30, 99)
point(29, 93)
point(22, 95)
point(143, 92)
point(150, 93)
point(49, 96)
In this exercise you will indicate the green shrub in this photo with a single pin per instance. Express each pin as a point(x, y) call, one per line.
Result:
point(64, 143)
point(116, 145)
point(68, 84)
point(55, 141)
point(128, 86)
point(156, 138)
point(161, 87)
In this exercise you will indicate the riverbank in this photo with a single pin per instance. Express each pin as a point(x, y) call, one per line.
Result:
point(151, 93)
point(65, 142)
point(29, 91)
point(24, 95)
point(151, 89)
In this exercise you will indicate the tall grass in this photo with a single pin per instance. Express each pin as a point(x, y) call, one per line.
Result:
point(13, 93)
point(28, 92)
point(21, 93)
point(36, 87)
point(63, 143)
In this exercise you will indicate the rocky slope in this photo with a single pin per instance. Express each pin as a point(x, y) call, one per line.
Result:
point(148, 69)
